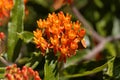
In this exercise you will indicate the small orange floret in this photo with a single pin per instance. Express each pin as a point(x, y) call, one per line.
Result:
point(60, 34)
point(71, 34)
point(82, 33)
point(2, 35)
point(64, 40)
point(73, 45)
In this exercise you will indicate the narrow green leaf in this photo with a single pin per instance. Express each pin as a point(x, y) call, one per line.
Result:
point(110, 67)
point(112, 52)
point(35, 65)
point(101, 25)
point(26, 36)
point(50, 69)
point(98, 69)
point(28, 64)
point(15, 26)
point(23, 60)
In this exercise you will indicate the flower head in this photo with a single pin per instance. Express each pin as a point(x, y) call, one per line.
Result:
point(5, 7)
point(59, 33)
point(26, 73)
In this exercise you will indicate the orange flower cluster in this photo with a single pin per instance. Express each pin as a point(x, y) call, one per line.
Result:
point(59, 33)
point(14, 73)
point(5, 7)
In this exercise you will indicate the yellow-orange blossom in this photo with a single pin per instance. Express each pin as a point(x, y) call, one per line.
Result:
point(5, 8)
point(59, 33)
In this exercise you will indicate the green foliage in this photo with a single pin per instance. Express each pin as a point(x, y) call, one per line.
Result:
point(26, 36)
point(15, 26)
point(2, 70)
point(50, 68)
point(112, 56)
point(99, 3)
point(116, 73)
point(85, 73)
point(41, 2)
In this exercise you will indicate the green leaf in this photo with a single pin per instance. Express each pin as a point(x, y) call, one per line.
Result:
point(96, 15)
point(101, 25)
point(28, 64)
point(116, 26)
point(111, 49)
point(110, 67)
point(23, 60)
point(50, 69)
point(15, 26)
point(41, 2)
point(99, 3)
point(26, 36)
point(112, 55)
point(2, 72)
point(95, 70)
point(108, 64)
point(35, 65)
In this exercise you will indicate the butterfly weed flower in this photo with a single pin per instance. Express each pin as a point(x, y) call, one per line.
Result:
point(26, 73)
point(5, 7)
point(59, 33)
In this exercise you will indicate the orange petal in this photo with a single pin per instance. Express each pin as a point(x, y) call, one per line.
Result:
point(83, 43)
